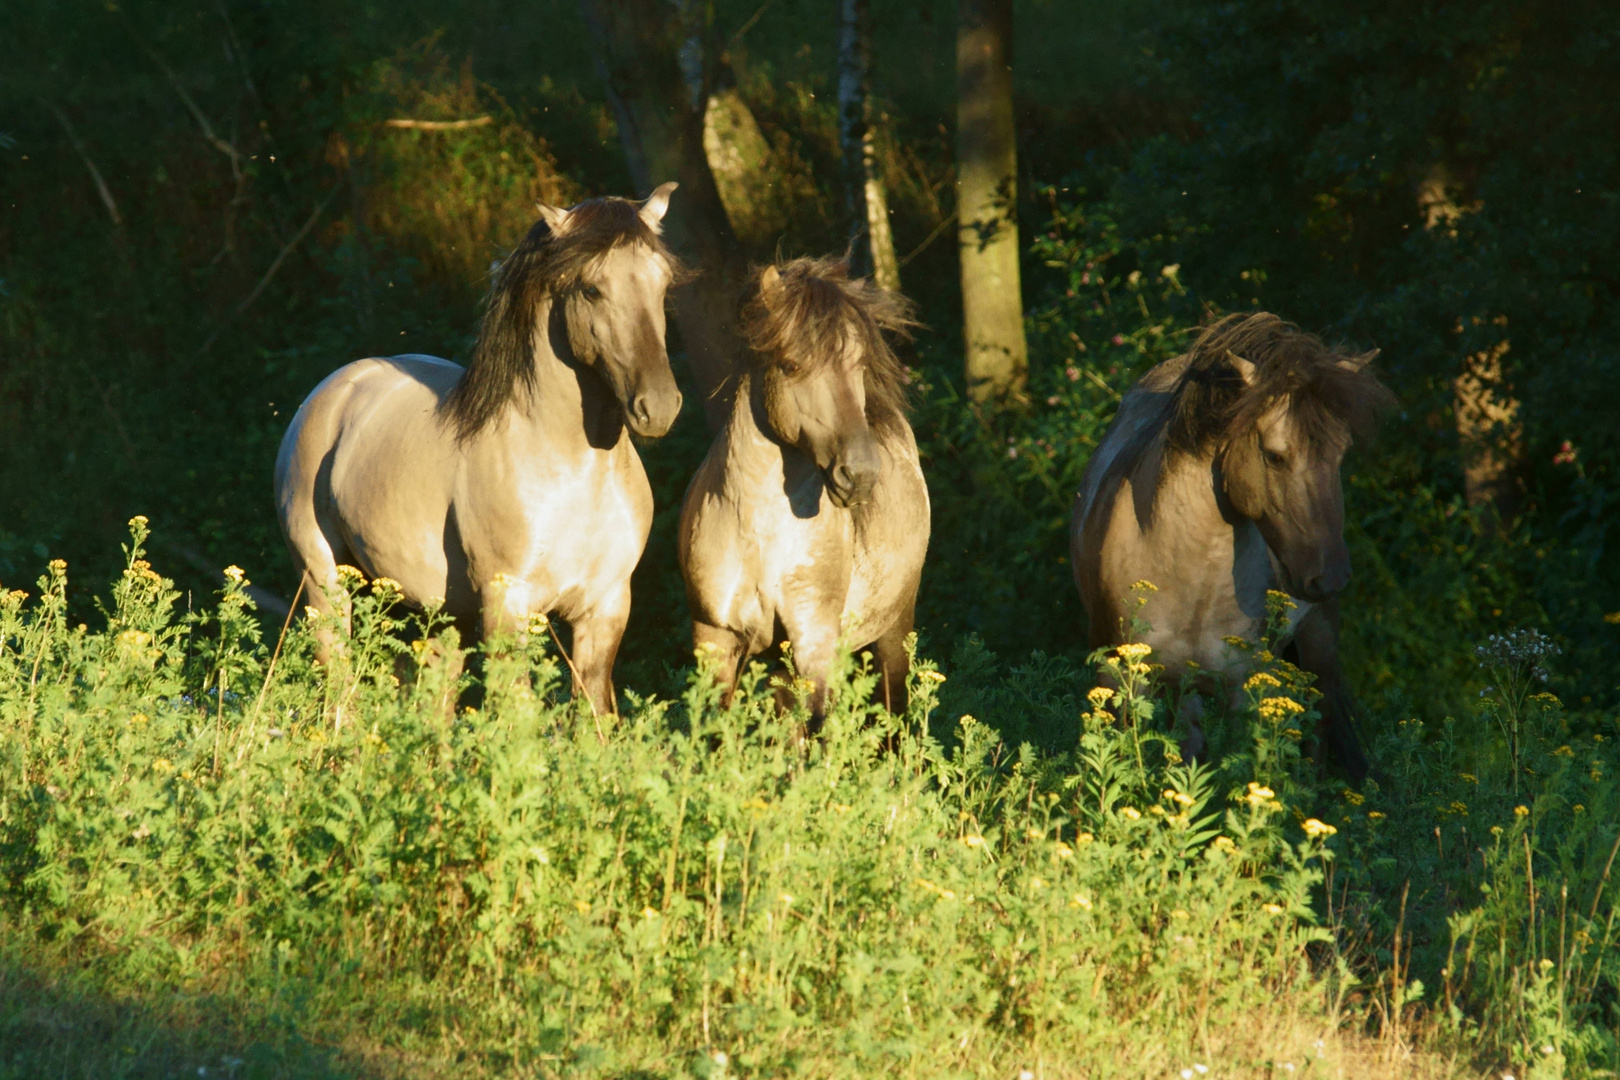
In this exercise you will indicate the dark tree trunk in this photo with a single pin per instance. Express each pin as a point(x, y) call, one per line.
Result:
point(871, 237)
point(997, 358)
point(653, 56)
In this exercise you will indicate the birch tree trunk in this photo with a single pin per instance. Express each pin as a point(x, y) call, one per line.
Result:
point(997, 357)
point(652, 57)
point(871, 236)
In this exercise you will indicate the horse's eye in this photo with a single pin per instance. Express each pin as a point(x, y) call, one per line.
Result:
point(788, 368)
point(591, 292)
point(1274, 459)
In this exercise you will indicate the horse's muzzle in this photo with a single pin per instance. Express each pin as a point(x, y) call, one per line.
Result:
point(850, 481)
point(653, 414)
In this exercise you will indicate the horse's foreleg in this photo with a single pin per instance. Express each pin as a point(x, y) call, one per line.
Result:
point(893, 664)
point(721, 652)
point(1317, 641)
point(596, 644)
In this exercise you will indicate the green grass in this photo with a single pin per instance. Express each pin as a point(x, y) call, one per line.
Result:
point(219, 855)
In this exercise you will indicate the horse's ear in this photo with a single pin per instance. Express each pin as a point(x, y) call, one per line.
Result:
point(657, 205)
point(1356, 363)
point(555, 217)
point(770, 281)
point(1245, 368)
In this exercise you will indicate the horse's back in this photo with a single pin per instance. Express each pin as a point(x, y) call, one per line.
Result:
point(1143, 414)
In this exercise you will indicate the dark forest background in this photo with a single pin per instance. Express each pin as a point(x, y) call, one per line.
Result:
point(203, 211)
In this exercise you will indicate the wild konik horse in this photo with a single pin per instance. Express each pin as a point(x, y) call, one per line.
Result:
point(808, 520)
point(510, 488)
point(1219, 480)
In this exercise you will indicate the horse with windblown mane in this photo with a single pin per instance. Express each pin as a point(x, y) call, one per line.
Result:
point(509, 489)
point(1217, 481)
point(807, 522)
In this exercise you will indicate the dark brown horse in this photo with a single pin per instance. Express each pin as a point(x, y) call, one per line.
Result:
point(1219, 480)
point(808, 521)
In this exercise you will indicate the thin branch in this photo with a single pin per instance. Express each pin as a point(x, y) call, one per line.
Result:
point(213, 139)
point(749, 25)
point(939, 230)
point(84, 156)
point(439, 125)
point(271, 272)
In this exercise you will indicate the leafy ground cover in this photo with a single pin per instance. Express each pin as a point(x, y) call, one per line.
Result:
point(220, 858)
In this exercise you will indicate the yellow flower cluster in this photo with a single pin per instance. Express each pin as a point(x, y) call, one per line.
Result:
point(1144, 585)
point(1133, 650)
point(1564, 751)
point(931, 676)
point(350, 575)
point(1318, 830)
point(138, 521)
point(973, 840)
point(939, 891)
point(1262, 679)
point(1521, 811)
point(1180, 798)
point(1099, 696)
point(1224, 843)
point(1272, 909)
point(1354, 798)
point(235, 574)
point(1278, 709)
point(1080, 900)
point(1132, 813)
point(1259, 796)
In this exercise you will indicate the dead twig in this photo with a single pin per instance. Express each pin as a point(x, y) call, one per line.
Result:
point(264, 281)
point(438, 125)
point(262, 598)
point(90, 166)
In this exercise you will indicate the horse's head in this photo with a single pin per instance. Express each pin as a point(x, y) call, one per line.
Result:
point(1279, 410)
point(601, 272)
point(612, 304)
point(828, 380)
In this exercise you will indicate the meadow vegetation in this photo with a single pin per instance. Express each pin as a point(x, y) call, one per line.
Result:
point(215, 855)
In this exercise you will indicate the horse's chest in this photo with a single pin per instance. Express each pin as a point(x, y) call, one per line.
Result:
point(579, 528)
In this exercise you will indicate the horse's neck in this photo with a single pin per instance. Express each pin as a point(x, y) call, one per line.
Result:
point(566, 407)
point(755, 459)
point(1179, 506)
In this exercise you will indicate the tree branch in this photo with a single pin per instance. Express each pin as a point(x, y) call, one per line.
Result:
point(271, 272)
point(439, 125)
point(84, 156)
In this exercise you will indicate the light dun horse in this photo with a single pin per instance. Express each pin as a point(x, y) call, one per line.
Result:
point(808, 520)
point(510, 488)
point(1219, 480)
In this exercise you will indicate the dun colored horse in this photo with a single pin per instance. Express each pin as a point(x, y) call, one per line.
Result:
point(510, 488)
point(808, 520)
point(1219, 480)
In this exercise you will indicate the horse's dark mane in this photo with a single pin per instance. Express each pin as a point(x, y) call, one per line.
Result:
point(1331, 392)
point(541, 265)
point(808, 321)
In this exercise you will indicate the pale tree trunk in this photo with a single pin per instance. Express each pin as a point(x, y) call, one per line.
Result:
point(651, 55)
point(1490, 432)
point(997, 358)
point(871, 236)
